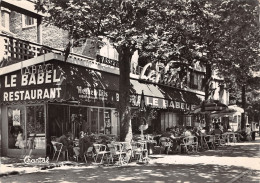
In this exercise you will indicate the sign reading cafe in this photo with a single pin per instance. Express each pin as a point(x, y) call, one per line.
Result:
point(33, 83)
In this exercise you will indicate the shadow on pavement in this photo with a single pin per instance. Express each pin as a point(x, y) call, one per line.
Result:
point(196, 173)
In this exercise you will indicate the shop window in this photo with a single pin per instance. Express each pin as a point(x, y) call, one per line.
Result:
point(59, 120)
point(28, 21)
point(5, 19)
point(94, 120)
point(36, 125)
point(16, 127)
point(101, 121)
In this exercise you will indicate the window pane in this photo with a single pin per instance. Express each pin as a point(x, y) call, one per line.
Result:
point(101, 121)
point(3, 19)
point(28, 20)
point(35, 126)
point(94, 120)
point(16, 127)
point(108, 121)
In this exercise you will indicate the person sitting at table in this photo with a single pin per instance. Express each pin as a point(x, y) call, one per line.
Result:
point(170, 135)
point(85, 143)
point(187, 131)
point(203, 131)
point(177, 131)
point(216, 130)
point(248, 133)
point(65, 139)
point(76, 149)
point(221, 127)
point(195, 131)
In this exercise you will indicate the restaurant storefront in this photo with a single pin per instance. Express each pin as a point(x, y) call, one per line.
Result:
point(51, 97)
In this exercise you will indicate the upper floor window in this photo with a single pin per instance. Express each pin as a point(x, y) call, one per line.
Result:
point(5, 16)
point(28, 21)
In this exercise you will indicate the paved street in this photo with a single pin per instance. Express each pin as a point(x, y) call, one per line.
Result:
point(236, 163)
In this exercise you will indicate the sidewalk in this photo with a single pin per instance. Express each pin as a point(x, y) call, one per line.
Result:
point(236, 163)
point(14, 166)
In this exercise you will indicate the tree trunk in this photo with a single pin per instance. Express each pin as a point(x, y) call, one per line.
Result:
point(207, 92)
point(207, 79)
point(243, 117)
point(124, 107)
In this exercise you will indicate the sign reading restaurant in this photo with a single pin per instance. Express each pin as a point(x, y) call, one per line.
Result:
point(32, 84)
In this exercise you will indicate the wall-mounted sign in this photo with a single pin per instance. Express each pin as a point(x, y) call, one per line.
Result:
point(90, 93)
point(37, 69)
point(173, 74)
point(107, 61)
point(33, 83)
point(161, 103)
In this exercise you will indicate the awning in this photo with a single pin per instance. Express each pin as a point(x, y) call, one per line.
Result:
point(161, 96)
point(63, 82)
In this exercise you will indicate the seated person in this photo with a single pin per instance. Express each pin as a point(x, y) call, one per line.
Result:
point(216, 130)
point(65, 139)
point(203, 131)
point(187, 132)
point(175, 142)
point(248, 133)
point(76, 149)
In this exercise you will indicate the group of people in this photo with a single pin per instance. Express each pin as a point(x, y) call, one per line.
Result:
point(76, 146)
point(175, 133)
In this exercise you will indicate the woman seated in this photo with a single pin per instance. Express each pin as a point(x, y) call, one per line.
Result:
point(187, 132)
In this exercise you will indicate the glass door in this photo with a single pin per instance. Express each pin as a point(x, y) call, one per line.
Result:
point(94, 120)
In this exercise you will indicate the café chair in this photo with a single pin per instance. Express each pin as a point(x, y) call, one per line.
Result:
point(88, 153)
point(57, 146)
point(140, 151)
point(190, 144)
point(220, 139)
point(165, 143)
point(99, 150)
point(119, 151)
point(210, 140)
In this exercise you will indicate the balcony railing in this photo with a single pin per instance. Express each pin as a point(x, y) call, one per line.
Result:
point(13, 50)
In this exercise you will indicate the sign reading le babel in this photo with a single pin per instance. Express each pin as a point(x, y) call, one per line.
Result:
point(32, 84)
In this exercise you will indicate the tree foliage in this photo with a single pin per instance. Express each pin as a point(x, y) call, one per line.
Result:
point(223, 35)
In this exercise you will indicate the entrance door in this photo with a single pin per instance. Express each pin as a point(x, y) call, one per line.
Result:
point(94, 120)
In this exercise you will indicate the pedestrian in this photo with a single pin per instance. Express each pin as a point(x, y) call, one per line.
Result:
point(248, 133)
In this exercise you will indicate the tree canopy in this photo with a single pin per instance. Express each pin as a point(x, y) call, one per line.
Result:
point(223, 35)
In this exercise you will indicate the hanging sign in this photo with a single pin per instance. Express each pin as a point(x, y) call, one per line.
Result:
point(16, 118)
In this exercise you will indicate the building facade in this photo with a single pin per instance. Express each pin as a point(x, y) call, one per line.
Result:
point(44, 95)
